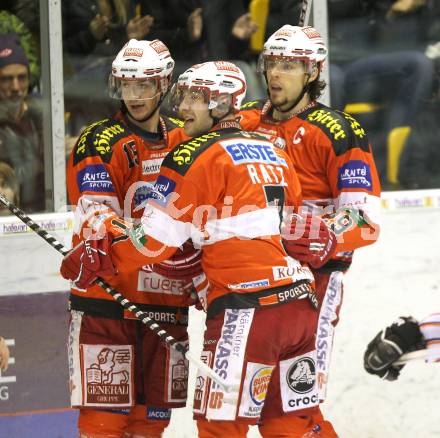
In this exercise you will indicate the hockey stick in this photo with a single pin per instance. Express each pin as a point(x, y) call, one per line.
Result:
point(142, 316)
point(304, 15)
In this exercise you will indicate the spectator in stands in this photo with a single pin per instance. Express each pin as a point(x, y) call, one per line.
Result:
point(179, 24)
point(377, 55)
point(20, 124)
point(101, 27)
point(8, 186)
point(94, 30)
point(91, 29)
point(10, 23)
point(281, 12)
point(4, 355)
point(229, 28)
point(420, 160)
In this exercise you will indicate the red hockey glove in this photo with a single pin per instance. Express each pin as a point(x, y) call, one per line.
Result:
point(310, 240)
point(185, 264)
point(87, 261)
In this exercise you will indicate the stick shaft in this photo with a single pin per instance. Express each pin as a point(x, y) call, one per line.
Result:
point(413, 355)
point(131, 307)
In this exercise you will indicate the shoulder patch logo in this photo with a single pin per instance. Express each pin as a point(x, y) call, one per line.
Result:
point(94, 178)
point(343, 130)
point(81, 148)
point(102, 139)
point(161, 189)
point(355, 174)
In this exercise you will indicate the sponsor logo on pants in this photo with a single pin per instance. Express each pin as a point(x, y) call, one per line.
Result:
point(158, 413)
point(107, 375)
point(228, 361)
point(325, 330)
point(298, 382)
point(200, 392)
point(177, 376)
point(255, 388)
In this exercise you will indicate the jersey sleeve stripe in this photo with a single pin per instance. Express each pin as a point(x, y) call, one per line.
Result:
point(250, 225)
point(369, 204)
point(164, 228)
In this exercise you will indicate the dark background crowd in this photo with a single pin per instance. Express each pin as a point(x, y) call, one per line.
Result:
point(384, 69)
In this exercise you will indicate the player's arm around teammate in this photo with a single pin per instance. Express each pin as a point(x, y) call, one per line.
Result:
point(228, 190)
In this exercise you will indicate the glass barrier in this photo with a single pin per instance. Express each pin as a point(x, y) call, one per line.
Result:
point(384, 69)
point(383, 63)
point(93, 37)
point(383, 66)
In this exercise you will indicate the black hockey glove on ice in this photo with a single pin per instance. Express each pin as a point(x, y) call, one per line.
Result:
point(399, 338)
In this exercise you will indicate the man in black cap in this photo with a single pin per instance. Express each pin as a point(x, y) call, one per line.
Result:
point(20, 124)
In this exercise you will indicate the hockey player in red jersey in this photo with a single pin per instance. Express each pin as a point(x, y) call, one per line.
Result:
point(229, 190)
point(122, 378)
point(331, 155)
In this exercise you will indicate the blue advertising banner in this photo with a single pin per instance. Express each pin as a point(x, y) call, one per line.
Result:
point(34, 390)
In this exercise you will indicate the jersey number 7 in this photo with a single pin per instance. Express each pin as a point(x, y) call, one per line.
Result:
point(275, 197)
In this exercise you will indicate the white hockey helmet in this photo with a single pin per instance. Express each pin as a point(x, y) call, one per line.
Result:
point(213, 79)
point(141, 70)
point(294, 43)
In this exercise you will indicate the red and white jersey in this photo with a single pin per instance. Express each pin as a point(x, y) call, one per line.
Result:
point(112, 168)
point(335, 166)
point(226, 190)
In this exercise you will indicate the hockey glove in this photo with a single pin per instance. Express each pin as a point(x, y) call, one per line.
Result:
point(310, 240)
point(86, 262)
point(400, 337)
point(185, 264)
